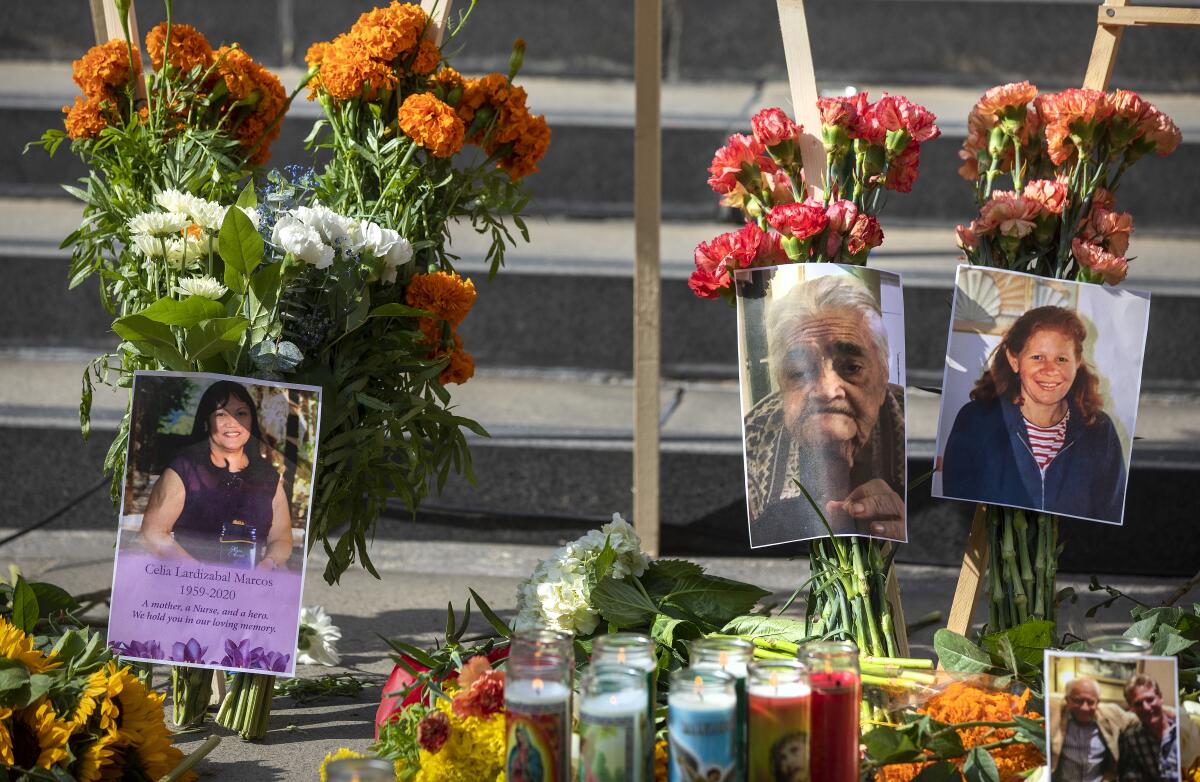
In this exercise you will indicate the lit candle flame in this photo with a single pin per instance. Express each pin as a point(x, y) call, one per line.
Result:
point(612, 699)
point(538, 684)
point(724, 657)
point(698, 686)
point(775, 679)
point(621, 656)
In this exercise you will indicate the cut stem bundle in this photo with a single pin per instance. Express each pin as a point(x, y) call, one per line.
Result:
point(247, 705)
point(1022, 567)
point(191, 690)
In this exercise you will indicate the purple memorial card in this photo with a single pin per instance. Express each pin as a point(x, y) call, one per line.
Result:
point(218, 483)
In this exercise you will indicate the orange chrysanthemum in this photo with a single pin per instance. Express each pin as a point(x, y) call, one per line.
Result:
point(445, 294)
point(962, 702)
point(432, 124)
point(85, 119)
point(189, 47)
point(103, 68)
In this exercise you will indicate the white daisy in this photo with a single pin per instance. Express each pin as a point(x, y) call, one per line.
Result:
point(158, 224)
point(203, 286)
point(147, 245)
point(316, 644)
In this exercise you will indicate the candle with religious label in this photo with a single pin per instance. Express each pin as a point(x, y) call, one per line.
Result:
point(612, 725)
point(635, 651)
point(836, 702)
point(537, 706)
point(732, 655)
point(701, 726)
point(780, 700)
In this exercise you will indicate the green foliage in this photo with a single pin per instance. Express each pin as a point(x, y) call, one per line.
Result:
point(342, 685)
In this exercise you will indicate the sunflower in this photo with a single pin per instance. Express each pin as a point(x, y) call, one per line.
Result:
point(142, 738)
point(94, 689)
point(38, 738)
point(16, 645)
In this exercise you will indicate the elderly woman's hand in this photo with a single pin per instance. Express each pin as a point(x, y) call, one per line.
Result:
point(874, 502)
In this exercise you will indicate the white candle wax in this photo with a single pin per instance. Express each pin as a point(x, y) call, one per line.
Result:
point(692, 702)
point(784, 690)
point(536, 691)
point(735, 668)
point(622, 703)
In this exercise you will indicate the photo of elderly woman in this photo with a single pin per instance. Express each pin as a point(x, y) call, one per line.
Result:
point(1046, 421)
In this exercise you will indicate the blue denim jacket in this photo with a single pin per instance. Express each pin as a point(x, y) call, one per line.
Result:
point(988, 459)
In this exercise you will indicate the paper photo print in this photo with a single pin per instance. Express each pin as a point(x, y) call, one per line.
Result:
point(1116, 718)
point(214, 516)
point(821, 364)
point(1040, 393)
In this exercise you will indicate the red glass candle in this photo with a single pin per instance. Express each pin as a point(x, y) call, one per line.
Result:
point(780, 700)
point(836, 701)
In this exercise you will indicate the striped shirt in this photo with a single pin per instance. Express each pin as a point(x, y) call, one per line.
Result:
point(1046, 441)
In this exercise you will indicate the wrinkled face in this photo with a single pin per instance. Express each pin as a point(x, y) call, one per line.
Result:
point(1082, 701)
point(1046, 367)
point(833, 380)
point(1146, 704)
point(229, 426)
point(792, 760)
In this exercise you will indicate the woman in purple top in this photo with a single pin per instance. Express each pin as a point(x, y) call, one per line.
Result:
point(221, 479)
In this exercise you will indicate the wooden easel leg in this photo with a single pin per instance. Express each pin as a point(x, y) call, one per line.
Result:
point(802, 79)
point(1104, 52)
point(970, 576)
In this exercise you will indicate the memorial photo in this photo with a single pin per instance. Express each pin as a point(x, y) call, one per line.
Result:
point(1040, 393)
point(1116, 719)
point(821, 360)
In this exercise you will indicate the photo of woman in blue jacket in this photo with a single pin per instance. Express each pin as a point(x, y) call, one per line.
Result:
point(1035, 434)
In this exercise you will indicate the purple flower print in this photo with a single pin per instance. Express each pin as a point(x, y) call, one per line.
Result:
point(149, 650)
point(237, 655)
point(190, 652)
point(270, 661)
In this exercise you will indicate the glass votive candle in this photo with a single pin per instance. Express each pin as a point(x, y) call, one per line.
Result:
point(702, 725)
point(360, 770)
point(780, 705)
point(633, 650)
point(1118, 645)
point(836, 703)
point(537, 706)
point(612, 725)
point(733, 656)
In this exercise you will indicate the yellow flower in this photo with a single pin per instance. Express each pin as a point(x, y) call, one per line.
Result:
point(473, 753)
point(37, 737)
point(337, 754)
point(16, 645)
point(95, 687)
point(660, 761)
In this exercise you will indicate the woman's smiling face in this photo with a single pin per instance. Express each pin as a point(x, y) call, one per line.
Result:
point(1046, 367)
point(229, 425)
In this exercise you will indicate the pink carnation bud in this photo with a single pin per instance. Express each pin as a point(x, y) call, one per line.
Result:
point(772, 127)
point(966, 236)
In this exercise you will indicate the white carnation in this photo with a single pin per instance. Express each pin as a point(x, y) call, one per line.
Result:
point(203, 286)
point(158, 224)
point(333, 227)
point(303, 241)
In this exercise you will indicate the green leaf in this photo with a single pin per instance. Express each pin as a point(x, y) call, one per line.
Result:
point(623, 604)
point(214, 336)
point(759, 626)
point(714, 599)
point(138, 328)
point(980, 767)
point(24, 606)
point(395, 310)
point(247, 198)
point(13, 676)
point(39, 685)
point(885, 745)
point(603, 563)
point(659, 579)
point(187, 312)
point(52, 598)
point(1144, 628)
point(239, 243)
point(668, 630)
point(1170, 644)
point(1029, 641)
point(948, 744)
point(1032, 731)
point(956, 653)
point(498, 624)
point(942, 771)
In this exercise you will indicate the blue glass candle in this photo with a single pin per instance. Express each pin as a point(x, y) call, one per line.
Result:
point(702, 726)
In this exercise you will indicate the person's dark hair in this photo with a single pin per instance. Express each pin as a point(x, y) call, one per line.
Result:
point(777, 751)
point(1137, 682)
point(1000, 380)
point(214, 398)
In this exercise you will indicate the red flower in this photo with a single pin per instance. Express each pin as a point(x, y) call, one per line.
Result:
point(836, 112)
point(917, 120)
point(483, 698)
point(432, 731)
point(801, 221)
point(865, 235)
point(727, 162)
point(707, 285)
point(902, 172)
point(880, 117)
point(772, 126)
point(394, 697)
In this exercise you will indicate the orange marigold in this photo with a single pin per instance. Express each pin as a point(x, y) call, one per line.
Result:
point(85, 119)
point(461, 367)
point(384, 34)
point(246, 79)
point(445, 294)
point(427, 59)
point(189, 47)
point(963, 702)
point(527, 149)
point(347, 72)
point(104, 67)
point(432, 124)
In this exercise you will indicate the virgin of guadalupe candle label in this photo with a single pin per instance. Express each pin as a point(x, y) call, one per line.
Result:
point(538, 741)
point(610, 748)
point(703, 746)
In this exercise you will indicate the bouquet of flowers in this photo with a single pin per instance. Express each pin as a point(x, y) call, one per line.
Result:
point(68, 710)
point(1064, 155)
point(870, 148)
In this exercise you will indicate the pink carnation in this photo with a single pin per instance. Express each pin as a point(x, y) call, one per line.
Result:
point(472, 669)
point(836, 112)
point(432, 731)
point(841, 215)
point(728, 160)
point(801, 221)
point(772, 126)
point(880, 117)
point(1051, 194)
point(902, 172)
point(1101, 198)
point(858, 105)
point(1161, 131)
point(1004, 98)
point(1008, 214)
point(483, 698)
point(917, 120)
point(1110, 229)
point(1129, 106)
point(1112, 268)
point(967, 240)
point(865, 234)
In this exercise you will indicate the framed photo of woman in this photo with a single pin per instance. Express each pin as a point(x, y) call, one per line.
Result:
point(1040, 393)
point(214, 514)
